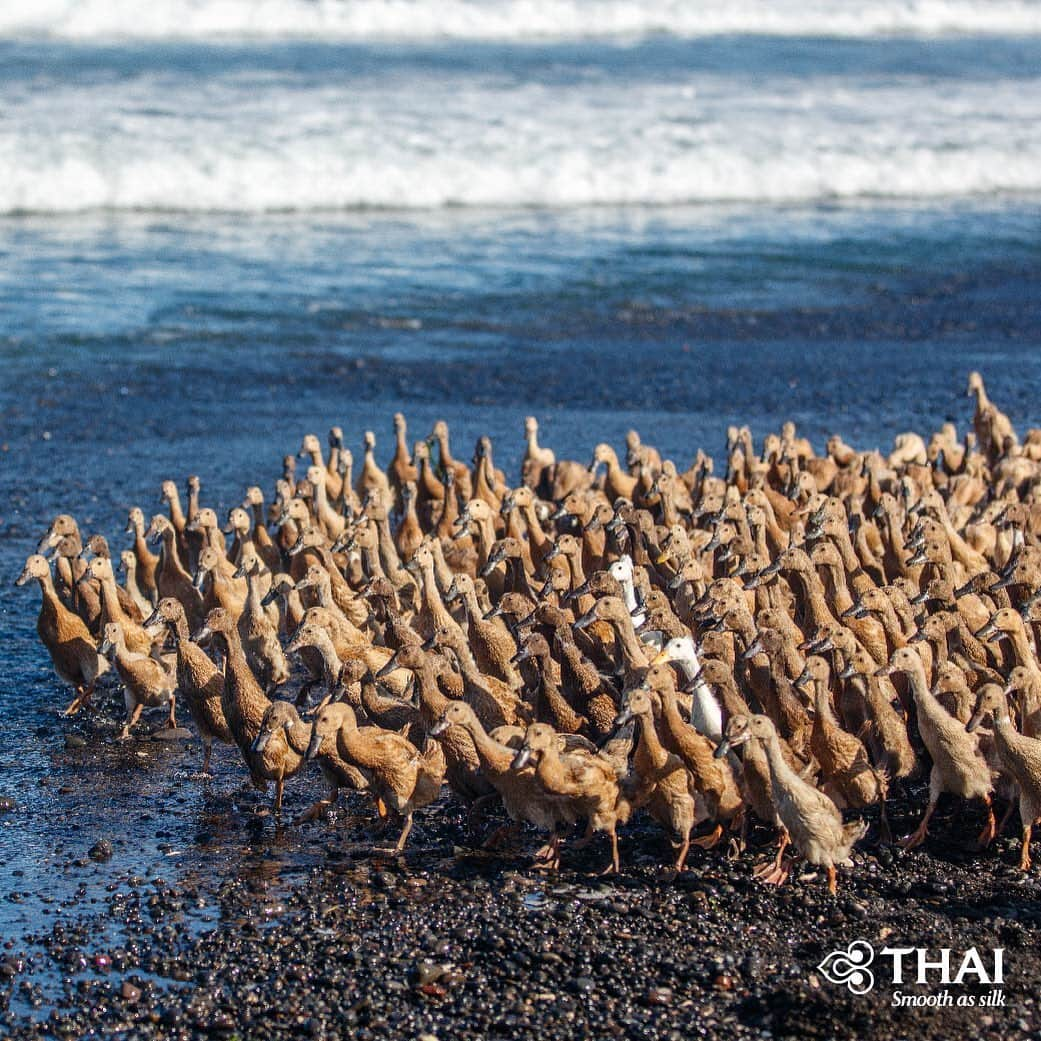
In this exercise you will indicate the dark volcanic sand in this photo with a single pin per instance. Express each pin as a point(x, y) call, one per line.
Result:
point(253, 929)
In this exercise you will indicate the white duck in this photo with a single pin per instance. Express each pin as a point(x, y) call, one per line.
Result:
point(705, 712)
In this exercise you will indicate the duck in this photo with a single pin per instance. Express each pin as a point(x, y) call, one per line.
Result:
point(811, 819)
point(199, 682)
point(711, 779)
point(959, 766)
point(514, 782)
point(578, 777)
point(74, 654)
point(259, 637)
point(1020, 759)
point(280, 748)
point(659, 781)
point(323, 749)
point(401, 776)
point(147, 683)
point(243, 700)
point(706, 714)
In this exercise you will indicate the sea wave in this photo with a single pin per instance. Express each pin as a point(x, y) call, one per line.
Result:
point(299, 181)
point(507, 20)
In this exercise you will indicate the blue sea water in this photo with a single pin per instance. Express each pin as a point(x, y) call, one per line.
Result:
point(224, 225)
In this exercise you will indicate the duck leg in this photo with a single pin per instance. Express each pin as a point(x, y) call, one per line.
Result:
point(711, 839)
point(986, 836)
point(772, 872)
point(83, 695)
point(917, 837)
point(132, 719)
point(172, 718)
point(1024, 856)
point(279, 786)
point(402, 838)
point(319, 808)
point(833, 884)
point(207, 751)
point(548, 857)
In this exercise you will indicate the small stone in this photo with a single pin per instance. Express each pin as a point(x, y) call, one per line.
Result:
point(10, 967)
point(128, 992)
point(723, 982)
point(100, 851)
point(659, 996)
point(172, 734)
point(6, 804)
point(75, 741)
point(583, 985)
point(427, 972)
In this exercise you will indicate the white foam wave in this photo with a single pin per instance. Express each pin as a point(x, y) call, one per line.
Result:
point(156, 143)
point(507, 19)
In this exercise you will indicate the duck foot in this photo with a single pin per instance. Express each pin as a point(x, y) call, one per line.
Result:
point(711, 840)
point(775, 874)
point(915, 839)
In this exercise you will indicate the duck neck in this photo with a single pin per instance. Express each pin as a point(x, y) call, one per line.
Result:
point(494, 757)
point(650, 742)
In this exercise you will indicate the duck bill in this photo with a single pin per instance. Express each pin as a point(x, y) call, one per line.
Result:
point(197, 582)
point(260, 741)
point(23, 578)
point(439, 727)
point(268, 598)
point(153, 619)
point(722, 748)
point(623, 717)
point(975, 720)
point(522, 655)
point(521, 759)
point(313, 746)
point(388, 668)
point(202, 635)
point(587, 619)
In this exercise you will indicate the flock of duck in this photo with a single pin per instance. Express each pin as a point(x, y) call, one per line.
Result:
point(787, 641)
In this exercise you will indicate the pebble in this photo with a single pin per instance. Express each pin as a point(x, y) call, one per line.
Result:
point(6, 804)
point(128, 992)
point(172, 734)
point(100, 851)
point(75, 741)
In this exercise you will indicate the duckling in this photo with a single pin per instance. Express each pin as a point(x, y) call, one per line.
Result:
point(65, 635)
point(958, 765)
point(1020, 759)
point(146, 682)
point(199, 681)
point(812, 820)
point(400, 776)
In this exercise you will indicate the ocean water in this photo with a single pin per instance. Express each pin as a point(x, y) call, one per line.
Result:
point(227, 223)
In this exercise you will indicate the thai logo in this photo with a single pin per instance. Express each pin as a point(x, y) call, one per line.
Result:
point(851, 966)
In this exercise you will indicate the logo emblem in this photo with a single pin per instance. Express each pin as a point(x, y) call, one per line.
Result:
point(851, 967)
